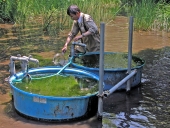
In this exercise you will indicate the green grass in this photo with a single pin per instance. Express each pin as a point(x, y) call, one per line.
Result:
point(111, 61)
point(162, 21)
point(51, 15)
point(42, 61)
point(62, 86)
point(149, 15)
point(144, 13)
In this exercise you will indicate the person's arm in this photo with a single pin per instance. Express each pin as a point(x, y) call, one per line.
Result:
point(83, 35)
point(71, 35)
point(68, 40)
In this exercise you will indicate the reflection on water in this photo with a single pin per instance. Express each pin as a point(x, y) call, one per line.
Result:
point(116, 37)
point(147, 106)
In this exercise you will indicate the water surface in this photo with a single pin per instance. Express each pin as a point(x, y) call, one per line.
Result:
point(147, 106)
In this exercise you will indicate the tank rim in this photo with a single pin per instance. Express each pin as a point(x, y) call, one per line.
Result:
point(52, 68)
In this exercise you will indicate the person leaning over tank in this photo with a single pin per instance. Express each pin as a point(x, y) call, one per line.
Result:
point(84, 24)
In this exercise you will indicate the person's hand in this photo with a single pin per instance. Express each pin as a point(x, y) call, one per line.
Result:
point(78, 38)
point(64, 49)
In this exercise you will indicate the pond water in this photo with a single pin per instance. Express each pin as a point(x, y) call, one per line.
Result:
point(147, 106)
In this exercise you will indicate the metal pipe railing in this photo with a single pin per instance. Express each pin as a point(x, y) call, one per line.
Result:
point(127, 79)
point(128, 87)
point(12, 63)
point(30, 59)
point(73, 47)
point(101, 71)
point(115, 87)
point(24, 63)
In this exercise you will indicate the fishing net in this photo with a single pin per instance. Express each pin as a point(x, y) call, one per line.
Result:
point(59, 59)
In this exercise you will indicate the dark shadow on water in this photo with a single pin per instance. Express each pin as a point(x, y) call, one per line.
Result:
point(121, 101)
point(147, 105)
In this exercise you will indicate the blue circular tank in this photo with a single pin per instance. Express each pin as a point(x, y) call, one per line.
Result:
point(111, 75)
point(50, 108)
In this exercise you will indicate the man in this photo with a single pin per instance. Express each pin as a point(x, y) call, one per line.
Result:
point(84, 24)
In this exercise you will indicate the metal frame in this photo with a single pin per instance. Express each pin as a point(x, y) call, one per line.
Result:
point(102, 94)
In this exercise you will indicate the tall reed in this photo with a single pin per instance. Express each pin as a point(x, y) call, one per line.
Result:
point(162, 21)
point(144, 13)
point(47, 12)
point(39, 23)
point(51, 17)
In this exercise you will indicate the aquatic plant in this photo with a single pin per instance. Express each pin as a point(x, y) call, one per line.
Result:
point(149, 14)
point(5, 14)
point(111, 61)
point(52, 13)
point(144, 13)
point(42, 61)
point(162, 21)
point(39, 23)
point(63, 86)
